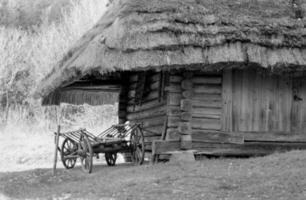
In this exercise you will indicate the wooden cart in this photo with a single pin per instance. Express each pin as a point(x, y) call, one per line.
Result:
point(123, 138)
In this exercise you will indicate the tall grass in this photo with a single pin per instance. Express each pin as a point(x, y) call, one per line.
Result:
point(28, 54)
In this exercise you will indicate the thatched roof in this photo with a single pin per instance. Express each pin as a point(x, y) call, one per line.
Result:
point(145, 34)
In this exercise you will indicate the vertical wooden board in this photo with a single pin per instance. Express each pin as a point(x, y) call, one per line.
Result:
point(245, 118)
point(298, 101)
point(285, 103)
point(227, 95)
point(303, 108)
point(256, 106)
point(237, 83)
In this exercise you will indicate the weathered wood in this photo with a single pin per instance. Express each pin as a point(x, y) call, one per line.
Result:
point(206, 97)
point(199, 123)
point(133, 78)
point(173, 134)
point(227, 93)
point(157, 111)
point(175, 79)
point(187, 84)
point(271, 136)
point(163, 136)
point(153, 130)
point(186, 116)
point(188, 74)
point(173, 88)
point(246, 149)
point(144, 106)
point(207, 89)
point(220, 137)
point(207, 80)
point(174, 99)
point(188, 94)
point(207, 111)
point(56, 148)
point(186, 105)
point(156, 121)
point(186, 142)
point(185, 128)
point(173, 121)
point(152, 95)
point(206, 116)
point(207, 103)
point(150, 139)
point(174, 111)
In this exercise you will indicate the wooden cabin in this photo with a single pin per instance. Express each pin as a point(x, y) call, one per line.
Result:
point(221, 78)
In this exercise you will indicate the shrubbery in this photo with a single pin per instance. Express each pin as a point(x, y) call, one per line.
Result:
point(34, 35)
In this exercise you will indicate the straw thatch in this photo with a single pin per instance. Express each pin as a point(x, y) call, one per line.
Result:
point(145, 34)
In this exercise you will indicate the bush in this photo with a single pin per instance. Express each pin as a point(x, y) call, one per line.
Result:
point(33, 37)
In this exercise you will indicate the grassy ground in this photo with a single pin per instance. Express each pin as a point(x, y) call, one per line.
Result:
point(279, 176)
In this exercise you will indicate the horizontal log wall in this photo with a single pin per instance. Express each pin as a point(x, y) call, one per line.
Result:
point(174, 96)
point(206, 101)
point(151, 113)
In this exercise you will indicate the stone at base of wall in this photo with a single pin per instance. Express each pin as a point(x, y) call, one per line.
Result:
point(182, 156)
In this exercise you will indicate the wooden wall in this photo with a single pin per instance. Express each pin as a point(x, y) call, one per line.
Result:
point(151, 112)
point(257, 101)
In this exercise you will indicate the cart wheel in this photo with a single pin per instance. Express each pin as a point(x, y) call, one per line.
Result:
point(69, 152)
point(137, 146)
point(111, 158)
point(85, 153)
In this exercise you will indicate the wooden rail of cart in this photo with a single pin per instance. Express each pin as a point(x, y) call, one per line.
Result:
point(83, 145)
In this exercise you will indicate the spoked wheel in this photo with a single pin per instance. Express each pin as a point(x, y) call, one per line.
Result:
point(69, 153)
point(85, 153)
point(111, 158)
point(137, 146)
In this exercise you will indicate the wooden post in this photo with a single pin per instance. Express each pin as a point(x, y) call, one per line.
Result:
point(186, 111)
point(55, 149)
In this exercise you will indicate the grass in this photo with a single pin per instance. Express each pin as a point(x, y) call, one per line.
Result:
point(274, 177)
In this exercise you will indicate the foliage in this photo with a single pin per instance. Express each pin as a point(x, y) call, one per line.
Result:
point(33, 37)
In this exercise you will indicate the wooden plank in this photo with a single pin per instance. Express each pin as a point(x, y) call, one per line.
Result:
point(174, 111)
point(173, 121)
point(207, 103)
point(157, 111)
point(207, 80)
point(186, 116)
point(253, 148)
point(207, 97)
point(153, 130)
point(207, 111)
point(207, 89)
point(201, 123)
point(185, 128)
point(187, 94)
point(206, 116)
point(144, 106)
point(272, 136)
point(187, 84)
point(151, 138)
point(186, 142)
point(186, 105)
point(175, 79)
point(227, 97)
point(156, 121)
point(174, 99)
point(163, 146)
point(173, 134)
point(173, 88)
point(220, 137)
